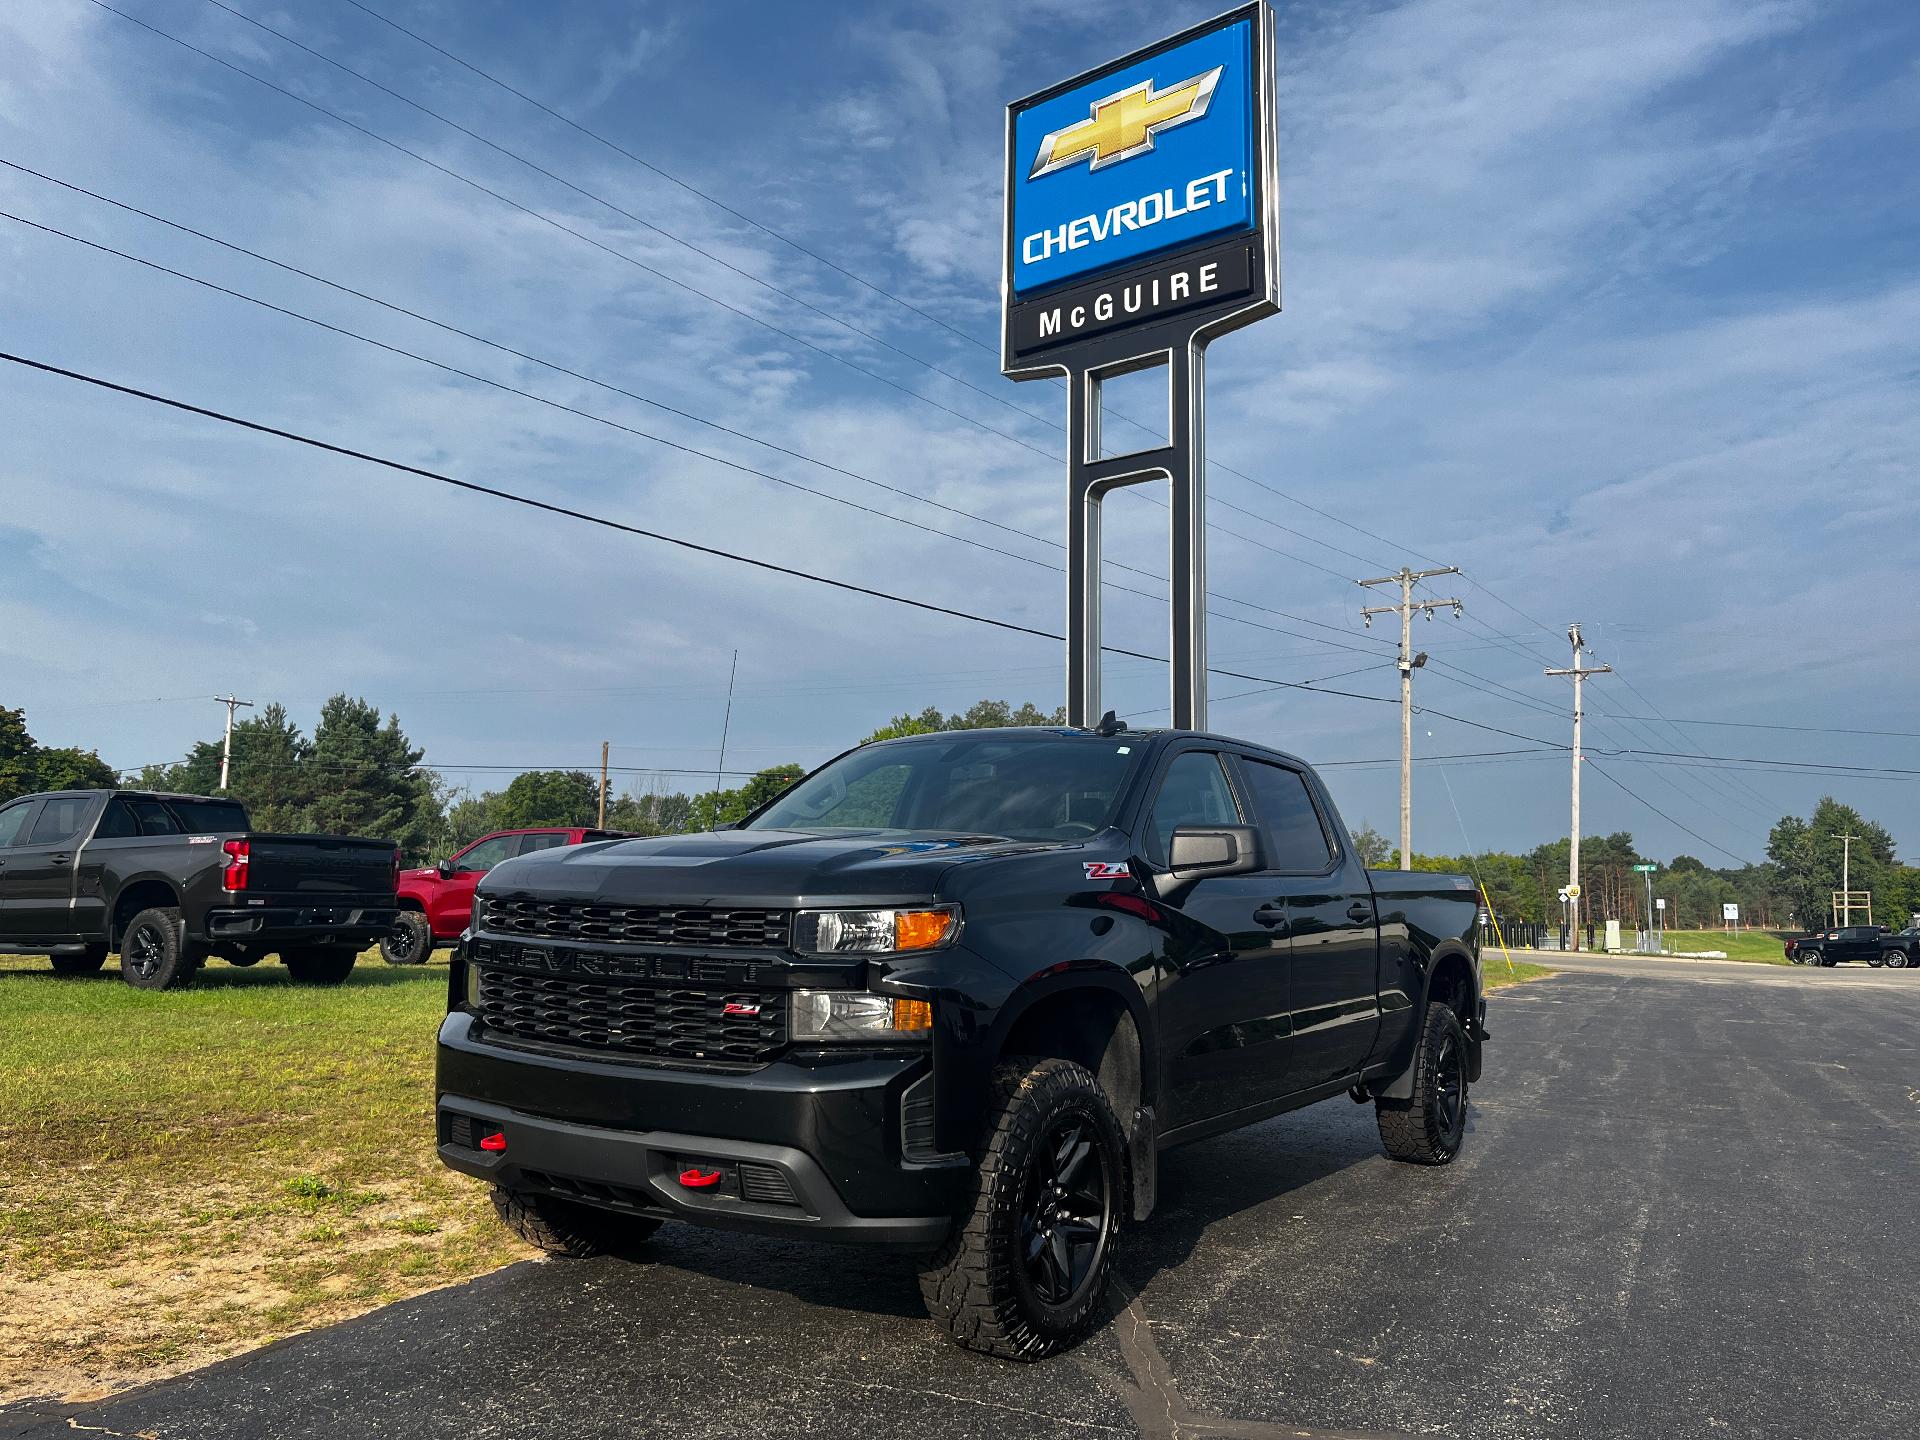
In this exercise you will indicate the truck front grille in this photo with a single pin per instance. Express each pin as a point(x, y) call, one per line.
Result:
point(688, 926)
point(728, 1029)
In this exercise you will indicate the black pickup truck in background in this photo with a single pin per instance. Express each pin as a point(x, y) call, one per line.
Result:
point(169, 880)
point(952, 993)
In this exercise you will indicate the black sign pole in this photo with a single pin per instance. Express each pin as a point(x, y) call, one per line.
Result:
point(1159, 313)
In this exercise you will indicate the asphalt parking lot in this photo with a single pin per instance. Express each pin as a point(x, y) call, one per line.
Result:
point(1683, 1210)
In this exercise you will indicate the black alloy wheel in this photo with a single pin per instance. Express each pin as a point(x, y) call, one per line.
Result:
point(1066, 1215)
point(154, 953)
point(1449, 1085)
point(409, 942)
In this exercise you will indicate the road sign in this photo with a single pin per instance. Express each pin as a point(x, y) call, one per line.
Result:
point(1564, 897)
point(1572, 892)
point(1729, 912)
point(1648, 868)
point(1660, 904)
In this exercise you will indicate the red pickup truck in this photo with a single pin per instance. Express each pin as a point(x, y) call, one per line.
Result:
point(435, 903)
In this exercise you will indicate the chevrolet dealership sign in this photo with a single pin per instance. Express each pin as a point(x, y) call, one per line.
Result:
point(1143, 191)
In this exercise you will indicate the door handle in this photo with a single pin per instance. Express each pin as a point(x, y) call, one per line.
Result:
point(1359, 912)
point(1272, 916)
point(62, 858)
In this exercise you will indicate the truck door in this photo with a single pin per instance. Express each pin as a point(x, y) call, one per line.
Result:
point(40, 869)
point(1333, 941)
point(453, 898)
point(14, 821)
point(1223, 1000)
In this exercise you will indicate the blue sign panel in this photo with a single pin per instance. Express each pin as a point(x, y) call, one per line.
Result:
point(1148, 157)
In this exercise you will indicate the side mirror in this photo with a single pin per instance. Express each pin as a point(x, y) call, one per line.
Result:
point(445, 867)
point(1197, 852)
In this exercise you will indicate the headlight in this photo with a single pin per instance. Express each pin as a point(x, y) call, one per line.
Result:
point(858, 1015)
point(873, 932)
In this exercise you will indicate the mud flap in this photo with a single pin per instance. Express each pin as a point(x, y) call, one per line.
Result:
point(1144, 1154)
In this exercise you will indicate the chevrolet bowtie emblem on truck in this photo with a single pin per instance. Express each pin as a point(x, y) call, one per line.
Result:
point(1124, 124)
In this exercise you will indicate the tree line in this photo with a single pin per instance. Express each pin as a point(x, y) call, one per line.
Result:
point(1791, 889)
point(359, 774)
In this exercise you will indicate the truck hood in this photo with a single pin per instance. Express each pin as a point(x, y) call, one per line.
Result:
point(746, 868)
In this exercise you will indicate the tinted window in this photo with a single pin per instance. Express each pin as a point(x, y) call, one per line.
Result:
point(1195, 792)
point(118, 823)
point(1292, 827)
point(531, 843)
point(60, 818)
point(487, 854)
point(201, 816)
point(154, 818)
point(1048, 787)
point(12, 819)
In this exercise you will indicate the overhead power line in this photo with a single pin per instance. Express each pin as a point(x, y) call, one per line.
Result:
point(474, 487)
point(545, 219)
point(649, 435)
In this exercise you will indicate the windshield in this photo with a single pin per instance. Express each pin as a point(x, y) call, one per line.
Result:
point(1057, 787)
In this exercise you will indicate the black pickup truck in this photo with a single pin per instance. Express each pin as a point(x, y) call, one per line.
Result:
point(168, 880)
point(951, 993)
point(1838, 945)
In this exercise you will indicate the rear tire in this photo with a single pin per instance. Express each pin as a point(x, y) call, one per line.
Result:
point(1876, 961)
point(1427, 1127)
point(319, 964)
point(154, 954)
point(87, 962)
point(1026, 1270)
point(410, 942)
point(563, 1228)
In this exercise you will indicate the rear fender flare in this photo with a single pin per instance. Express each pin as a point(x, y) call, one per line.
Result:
point(1401, 1086)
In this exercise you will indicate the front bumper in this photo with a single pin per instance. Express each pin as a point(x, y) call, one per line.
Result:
point(811, 1145)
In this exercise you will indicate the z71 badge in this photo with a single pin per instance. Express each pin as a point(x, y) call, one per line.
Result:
point(1106, 869)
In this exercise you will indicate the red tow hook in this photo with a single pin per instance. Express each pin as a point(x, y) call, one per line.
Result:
point(496, 1142)
point(695, 1178)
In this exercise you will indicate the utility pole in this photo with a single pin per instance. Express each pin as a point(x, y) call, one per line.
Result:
point(604, 745)
point(1579, 673)
point(1409, 662)
point(226, 746)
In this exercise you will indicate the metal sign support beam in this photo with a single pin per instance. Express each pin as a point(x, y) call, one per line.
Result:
point(1091, 477)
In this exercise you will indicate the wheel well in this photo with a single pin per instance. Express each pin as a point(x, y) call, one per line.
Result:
point(411, 902)
point(141, 895)
point(1452, 985)
point(1090, 1027)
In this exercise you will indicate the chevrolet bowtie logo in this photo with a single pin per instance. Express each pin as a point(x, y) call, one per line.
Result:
point(1123, 125)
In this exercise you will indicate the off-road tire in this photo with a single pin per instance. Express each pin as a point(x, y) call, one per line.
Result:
point(561, 1227)
point(154, 953)
point(87, 962)
point(976, 1284)
point(319, 964)
point(1425, 1129)
point(411, 942)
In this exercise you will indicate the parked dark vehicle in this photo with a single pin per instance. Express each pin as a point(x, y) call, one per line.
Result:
point(1833, 947)
point(951, 993)
point(1901, 949)
point(168, 880)
point(436, 902)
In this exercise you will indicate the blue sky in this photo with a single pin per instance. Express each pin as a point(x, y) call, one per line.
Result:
point(1617, 307)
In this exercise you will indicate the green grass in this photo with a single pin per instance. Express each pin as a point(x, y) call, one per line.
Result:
point(1762, 947)
point(190, 1172)
point(1497, 972)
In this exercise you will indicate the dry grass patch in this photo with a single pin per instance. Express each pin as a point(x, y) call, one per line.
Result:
point(191, 1173)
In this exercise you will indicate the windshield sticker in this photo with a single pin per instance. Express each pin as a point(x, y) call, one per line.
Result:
point(1106, 869)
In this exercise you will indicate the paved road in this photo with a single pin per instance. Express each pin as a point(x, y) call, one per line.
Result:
point(1683, 1211)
